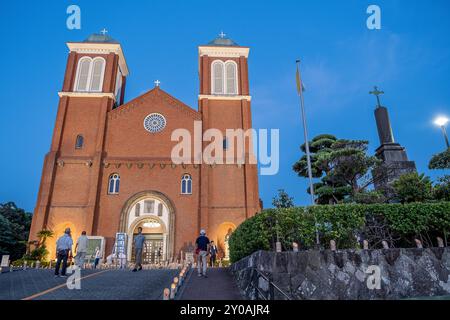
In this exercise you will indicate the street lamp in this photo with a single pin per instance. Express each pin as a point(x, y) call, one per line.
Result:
point(441, 122)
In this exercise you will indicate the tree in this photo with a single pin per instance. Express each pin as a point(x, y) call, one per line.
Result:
point(282, 200)
point(369, 197)
point(440, 160)
point(14, 229)
point(441, 189)
point(413, 187)
point(341, 166)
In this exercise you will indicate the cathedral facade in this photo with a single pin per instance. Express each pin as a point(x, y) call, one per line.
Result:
point(110, 167)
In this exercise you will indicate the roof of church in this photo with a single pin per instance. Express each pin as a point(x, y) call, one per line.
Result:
point(223, 41)
point(100, 38)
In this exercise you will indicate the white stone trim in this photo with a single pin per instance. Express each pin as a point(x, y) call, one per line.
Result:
point(223, 52)
point(100, 48)
point(223, 97)
point(87, 94)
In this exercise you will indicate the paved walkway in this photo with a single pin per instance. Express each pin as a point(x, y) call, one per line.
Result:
point(219, 285)
point(95, 285)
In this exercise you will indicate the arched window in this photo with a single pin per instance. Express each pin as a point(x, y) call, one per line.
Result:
point(114, 183)
point(98, 68)
point(231, 76)
point(186, 184)
point(90, 74)
point(84, 67)
point(217, 77)
point(79, 142)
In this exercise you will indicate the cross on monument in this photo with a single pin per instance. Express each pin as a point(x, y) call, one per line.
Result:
point(222, 35)
point(377, 93)
point(104, 31)
point(157, 82)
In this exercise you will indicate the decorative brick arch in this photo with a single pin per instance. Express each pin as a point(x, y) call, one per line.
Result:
point(124, 214)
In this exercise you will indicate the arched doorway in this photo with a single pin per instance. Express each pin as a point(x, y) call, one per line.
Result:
point(155, 244)
point(155, 214)
point(223, 233)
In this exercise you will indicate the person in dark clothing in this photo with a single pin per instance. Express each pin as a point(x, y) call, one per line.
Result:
point(202, 249)
point(63, 251)
point(212, 254)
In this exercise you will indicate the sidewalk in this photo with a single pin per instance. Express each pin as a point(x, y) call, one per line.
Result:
point(219, 285)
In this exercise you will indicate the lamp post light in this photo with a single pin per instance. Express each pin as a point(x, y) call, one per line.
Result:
point(441, 122)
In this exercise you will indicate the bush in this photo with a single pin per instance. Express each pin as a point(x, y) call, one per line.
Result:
point(398, 224)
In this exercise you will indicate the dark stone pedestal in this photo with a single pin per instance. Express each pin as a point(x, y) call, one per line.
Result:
point(395, 164)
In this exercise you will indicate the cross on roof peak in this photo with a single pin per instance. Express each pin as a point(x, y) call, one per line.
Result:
point(104, 31)
point(222, 35)
point(377, 93)
point(157, 83)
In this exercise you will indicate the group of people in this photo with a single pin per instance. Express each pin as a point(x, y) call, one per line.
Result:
point(64, 252)
point(204, 248)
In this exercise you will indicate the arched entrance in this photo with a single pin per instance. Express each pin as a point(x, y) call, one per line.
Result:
point(155, 214)
point(223, 233)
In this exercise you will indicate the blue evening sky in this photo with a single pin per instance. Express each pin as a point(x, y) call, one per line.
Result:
point(409, 58)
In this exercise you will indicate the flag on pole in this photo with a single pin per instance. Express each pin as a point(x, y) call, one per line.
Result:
point(299, 82)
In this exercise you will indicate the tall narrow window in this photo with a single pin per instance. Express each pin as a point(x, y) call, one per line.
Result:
point(114, 183)
point(160, 209)
point(186, 184)
point(79, 142)
point(217, 77)
point(137, 210)
point(118, 88)
point(98, 67)
point(84, 66)
point(231, 72)
point(225, 144)
point(149, 206)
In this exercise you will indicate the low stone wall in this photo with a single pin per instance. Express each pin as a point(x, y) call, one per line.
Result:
point(349, 274)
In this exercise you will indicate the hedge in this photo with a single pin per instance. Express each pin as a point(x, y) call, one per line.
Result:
point(347, 224)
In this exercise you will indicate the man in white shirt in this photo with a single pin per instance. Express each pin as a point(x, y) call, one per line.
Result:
point(81, 249)
point(63, 250)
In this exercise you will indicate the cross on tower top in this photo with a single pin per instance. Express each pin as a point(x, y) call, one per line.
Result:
point(104, 31)
point(377, 93)
point(222, 35)
point(157, 82)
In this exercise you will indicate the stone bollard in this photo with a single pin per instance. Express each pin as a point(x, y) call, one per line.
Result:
point(278, 246)
point(173, 289)
point(418, 243)
point(332, 245)
point(385, 244)
point(295, 246)
point(38, 264)
point(440, 242)
point(24, 265)
point(166, 294)
point(366, 245)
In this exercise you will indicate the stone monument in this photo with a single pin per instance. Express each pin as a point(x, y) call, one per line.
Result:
point(394, 159)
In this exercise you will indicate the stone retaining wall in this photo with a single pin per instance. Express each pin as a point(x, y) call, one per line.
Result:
point(345, 274)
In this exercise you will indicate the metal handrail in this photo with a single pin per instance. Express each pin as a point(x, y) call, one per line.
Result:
point(272, 286)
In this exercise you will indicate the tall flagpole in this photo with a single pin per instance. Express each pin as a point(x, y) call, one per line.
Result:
point(305, 131)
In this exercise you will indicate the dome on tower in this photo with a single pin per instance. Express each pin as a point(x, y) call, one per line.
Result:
point(223, 41)
point(100, 38)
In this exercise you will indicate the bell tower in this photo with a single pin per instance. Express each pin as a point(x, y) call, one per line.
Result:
point(229, 192)
point(94, 84)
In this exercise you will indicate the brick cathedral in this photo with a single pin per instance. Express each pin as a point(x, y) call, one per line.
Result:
point(109, 168)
